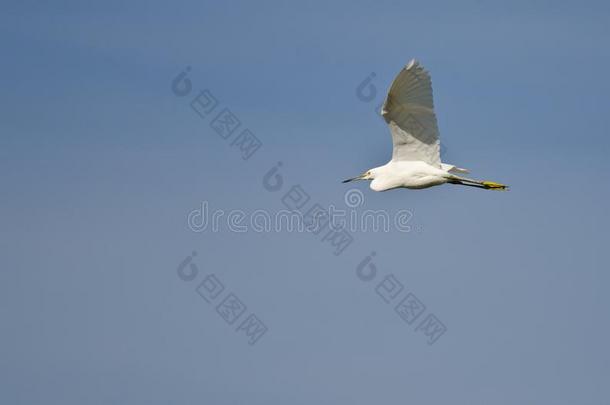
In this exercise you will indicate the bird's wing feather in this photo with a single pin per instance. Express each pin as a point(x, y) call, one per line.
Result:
point(409, 112)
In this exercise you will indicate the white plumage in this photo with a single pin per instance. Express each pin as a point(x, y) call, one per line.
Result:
point(416, 163)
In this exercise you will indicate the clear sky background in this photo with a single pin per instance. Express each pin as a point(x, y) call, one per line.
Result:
point(100, 164)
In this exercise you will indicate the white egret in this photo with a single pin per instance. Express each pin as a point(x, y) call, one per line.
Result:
point(416, 163)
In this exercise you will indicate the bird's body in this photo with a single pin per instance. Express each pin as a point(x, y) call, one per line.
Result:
point(407, 174)
point(416, 163)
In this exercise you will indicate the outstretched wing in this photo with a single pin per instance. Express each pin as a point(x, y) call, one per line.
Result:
point(409, 112)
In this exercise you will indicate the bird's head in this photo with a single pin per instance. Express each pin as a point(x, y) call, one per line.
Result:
point(368, 175)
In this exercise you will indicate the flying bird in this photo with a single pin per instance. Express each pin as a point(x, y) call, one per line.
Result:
point(416, 163)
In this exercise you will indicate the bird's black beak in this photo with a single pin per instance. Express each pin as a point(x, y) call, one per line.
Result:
point(353, 178)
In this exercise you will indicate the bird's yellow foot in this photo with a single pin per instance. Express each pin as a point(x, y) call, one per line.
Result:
point(494, 186)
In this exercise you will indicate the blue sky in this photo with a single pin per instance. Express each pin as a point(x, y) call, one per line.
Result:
point(100, 165)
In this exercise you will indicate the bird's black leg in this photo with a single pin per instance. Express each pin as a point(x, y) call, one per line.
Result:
point(468, 184)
